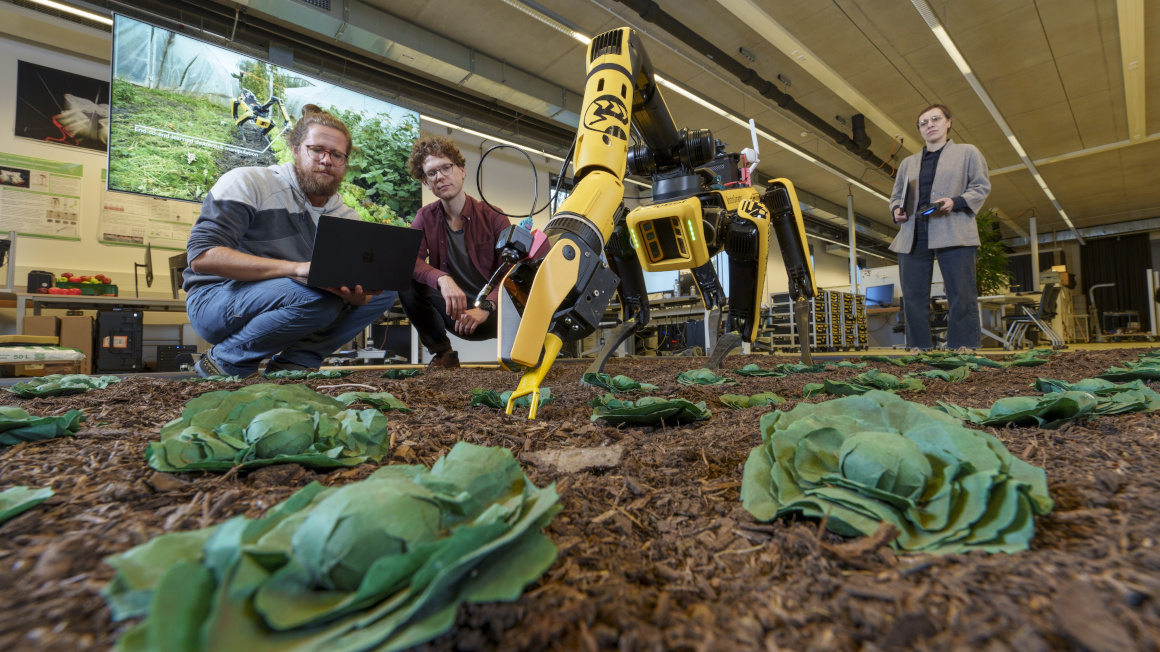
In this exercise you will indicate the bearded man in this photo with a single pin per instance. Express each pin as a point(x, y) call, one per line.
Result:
point(249, 256)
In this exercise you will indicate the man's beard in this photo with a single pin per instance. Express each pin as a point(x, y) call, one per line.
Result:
point(313, 184)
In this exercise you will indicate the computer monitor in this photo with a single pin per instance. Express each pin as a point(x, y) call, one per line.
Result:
point(879, 296)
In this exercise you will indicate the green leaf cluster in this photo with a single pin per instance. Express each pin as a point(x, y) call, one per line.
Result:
point(214, 378)
point(954, 375)
point(379, 564)
point(861, 460)
point(17, 500)
point(862, 383)
point(616, 383)
point(648, 411)
point(61, 385)
point(378, 166)
point(703, 377)
point(740, 402)
point(493, 399)
point(267, 424)
point(17, 426)
point(381, 401)
point(302, 374)
point(1145, 368)
point(944, 360)
point(756, 370)
point(400, 374)
point(1064, 402)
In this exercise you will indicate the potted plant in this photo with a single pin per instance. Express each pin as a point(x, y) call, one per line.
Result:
point(991, 275)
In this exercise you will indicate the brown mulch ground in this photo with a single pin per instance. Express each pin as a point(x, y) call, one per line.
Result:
point(655, 554)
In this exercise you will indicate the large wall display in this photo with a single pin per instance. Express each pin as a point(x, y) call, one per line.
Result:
point(40, 198)
point(184, 112)
point(61, 107)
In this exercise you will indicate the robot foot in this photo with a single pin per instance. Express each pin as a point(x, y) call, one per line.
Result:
point(725, 344)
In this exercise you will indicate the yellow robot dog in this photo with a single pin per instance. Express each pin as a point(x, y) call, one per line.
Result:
point(598, 248)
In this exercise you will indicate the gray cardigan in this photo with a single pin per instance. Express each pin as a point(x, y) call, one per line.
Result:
point(961, 171)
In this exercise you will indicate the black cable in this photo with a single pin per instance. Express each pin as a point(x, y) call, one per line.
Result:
point(535, 179)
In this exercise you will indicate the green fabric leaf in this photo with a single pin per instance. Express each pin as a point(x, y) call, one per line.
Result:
point(952, 375)
point(17, 500)
point(1146, 369)
point(897, 362)
point(266, 424)
point(302, 374)
point(381, 401)
point(214, 378)
point(740, 402)
point(616, 383)
point(860, 460)
point(1063, 402)
point(648, 411)
point(401, 374)
point(756, 370)
point(61, 385)
point(493, 399)
point(703, 377)
point(18, 426)
point(862, 383)
point(379, 564)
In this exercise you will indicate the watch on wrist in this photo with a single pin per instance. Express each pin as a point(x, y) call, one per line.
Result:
point(487, 305)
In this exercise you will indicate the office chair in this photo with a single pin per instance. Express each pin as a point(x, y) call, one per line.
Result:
point(1030, 314)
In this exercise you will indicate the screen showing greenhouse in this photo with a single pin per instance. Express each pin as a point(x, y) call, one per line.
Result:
point(184, 112)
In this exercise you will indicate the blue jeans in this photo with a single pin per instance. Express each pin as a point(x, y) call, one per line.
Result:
point(248, 321)
point(916, 270)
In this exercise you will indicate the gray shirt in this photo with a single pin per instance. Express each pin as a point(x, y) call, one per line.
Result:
point(961, 171)
point(459, 263)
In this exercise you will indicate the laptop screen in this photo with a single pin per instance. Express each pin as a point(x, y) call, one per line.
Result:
point(880, 295)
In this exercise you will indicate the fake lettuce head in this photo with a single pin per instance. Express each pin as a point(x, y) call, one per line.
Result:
point(648, 411)
point(616, 383)
point(383, 401)
point(756, 370)
point(61, 385)
point(703, 377)
point(740, 402)
point(496, 400)
point(303, 374)
point(401, 374)
point(381, 564)
point(267, 424)
point(952, 375)
point(1063, 403)
point(861, 460)
point(18, 426)
point(862, 383)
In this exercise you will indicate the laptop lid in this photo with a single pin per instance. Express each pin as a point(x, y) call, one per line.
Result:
point(350, 252)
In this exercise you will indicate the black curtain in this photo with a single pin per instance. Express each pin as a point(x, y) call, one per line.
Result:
point(1120, 260)
point(1020, 268)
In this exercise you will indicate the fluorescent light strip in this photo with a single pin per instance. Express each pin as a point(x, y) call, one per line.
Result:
point(530, 150)
point(97, 18)
point(847, 246)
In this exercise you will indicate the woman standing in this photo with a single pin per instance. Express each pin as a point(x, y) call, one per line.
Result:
point(952, 180)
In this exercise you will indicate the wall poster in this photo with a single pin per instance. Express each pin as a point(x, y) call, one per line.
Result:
point(40, 198)
point(61, 107)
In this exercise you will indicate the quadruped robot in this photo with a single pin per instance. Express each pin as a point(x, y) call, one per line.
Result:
point(248, 108)
point(595, 247)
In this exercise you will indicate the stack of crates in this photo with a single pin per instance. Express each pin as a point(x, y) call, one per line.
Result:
point(854, 335)
point(837, 322)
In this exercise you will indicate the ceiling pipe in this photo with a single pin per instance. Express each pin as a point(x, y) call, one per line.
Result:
point(651, 12)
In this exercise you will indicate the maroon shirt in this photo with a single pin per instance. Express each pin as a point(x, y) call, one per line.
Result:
point(481, 228)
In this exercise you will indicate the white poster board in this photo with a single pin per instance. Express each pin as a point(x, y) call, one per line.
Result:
point(40, 198)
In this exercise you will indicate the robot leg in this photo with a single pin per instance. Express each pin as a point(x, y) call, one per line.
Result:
point(634, 311)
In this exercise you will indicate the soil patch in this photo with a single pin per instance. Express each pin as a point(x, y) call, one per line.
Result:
point(656, 552)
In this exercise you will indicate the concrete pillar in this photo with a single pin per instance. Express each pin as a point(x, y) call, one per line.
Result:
point(1034, 256)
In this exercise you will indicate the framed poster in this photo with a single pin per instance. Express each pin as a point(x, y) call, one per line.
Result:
point(55, 106)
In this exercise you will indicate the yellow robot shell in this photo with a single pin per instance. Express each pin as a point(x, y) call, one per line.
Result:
point(677, 223)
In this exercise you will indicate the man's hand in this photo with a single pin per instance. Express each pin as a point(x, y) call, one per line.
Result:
point(454, 298)
point(470, 320)
point(301, 272)
point(946, 204)
point(355, 297)
point(899, 216)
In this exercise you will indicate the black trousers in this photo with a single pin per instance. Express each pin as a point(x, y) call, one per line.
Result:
point(427, 311)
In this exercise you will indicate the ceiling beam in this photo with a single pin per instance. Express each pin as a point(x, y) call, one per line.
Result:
point(1131, 17)
point(1076, 154)
point(778, 36)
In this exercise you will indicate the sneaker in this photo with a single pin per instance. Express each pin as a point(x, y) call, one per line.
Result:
point(207, 366)
point(276, 365)
point(444, 360)
point(963, 350)
point(915, 351)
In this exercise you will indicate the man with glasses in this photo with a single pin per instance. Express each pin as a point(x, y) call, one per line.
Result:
point(456, 255)
point(249, 256)
point(949, 185)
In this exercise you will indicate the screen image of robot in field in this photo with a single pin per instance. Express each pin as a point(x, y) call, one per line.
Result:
point(184, 112)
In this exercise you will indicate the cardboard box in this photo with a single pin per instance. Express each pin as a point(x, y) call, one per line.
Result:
point(1059, 268)
point(49, 368)
point(77, 333)
point(41, 325)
